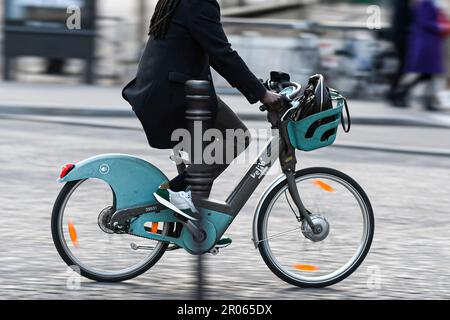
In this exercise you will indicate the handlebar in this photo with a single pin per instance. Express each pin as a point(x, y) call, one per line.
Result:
point(288, 90)
point(295, 90)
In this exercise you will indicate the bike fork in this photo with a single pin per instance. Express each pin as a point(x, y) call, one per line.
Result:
point(293, 191)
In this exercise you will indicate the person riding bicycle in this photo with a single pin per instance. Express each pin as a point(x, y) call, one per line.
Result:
point(186, 38)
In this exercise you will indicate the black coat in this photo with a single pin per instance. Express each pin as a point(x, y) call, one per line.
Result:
point(195, 41)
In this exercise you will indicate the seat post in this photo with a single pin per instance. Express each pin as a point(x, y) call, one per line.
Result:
point(199, 116)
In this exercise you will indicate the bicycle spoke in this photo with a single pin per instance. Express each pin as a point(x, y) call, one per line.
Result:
point(279, 234)
point(290, 206)
point(328, 252)
point(90, 244)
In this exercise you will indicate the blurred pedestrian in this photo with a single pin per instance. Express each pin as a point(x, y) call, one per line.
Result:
point(401, 21)
point(424, 55)
point(445, 12)
point(443, 85)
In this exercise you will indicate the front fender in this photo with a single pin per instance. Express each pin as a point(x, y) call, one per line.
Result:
point(133, 180)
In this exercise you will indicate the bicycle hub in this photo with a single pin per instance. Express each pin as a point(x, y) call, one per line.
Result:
point(320, 231)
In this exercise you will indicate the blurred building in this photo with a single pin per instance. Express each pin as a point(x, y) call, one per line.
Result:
point(53, 29)
point(120, 29)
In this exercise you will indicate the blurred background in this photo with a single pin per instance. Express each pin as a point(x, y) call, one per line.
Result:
point(360, 46)
point(300, 37)
point(60, 101)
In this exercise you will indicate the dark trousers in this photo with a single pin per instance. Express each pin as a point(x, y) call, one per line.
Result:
point(424, 77)
point(226, 119)
point(397, 77)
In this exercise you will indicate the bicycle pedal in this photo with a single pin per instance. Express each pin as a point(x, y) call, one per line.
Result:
point(221, 246)
point(215, 251)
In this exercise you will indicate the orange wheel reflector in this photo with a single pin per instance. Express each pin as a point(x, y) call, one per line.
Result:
point(306, 267)
point(322, 185)
point(73, 233)
point(154, 227)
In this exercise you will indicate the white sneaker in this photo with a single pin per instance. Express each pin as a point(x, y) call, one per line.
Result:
point(180, 202)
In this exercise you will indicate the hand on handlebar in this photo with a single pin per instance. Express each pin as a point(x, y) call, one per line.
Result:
point(272, 100)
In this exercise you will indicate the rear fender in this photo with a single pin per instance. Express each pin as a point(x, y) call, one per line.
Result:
point(133, 180)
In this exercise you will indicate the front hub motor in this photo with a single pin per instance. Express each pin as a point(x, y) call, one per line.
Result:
point(321, 230)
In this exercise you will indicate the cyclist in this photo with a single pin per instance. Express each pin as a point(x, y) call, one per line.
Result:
point(186, 38)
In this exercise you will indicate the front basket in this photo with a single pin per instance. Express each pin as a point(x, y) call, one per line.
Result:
point(318, 130)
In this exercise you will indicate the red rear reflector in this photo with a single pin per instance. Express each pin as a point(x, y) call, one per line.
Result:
point(66, 169)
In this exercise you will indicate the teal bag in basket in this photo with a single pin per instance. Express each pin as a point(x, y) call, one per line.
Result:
point(319, 130)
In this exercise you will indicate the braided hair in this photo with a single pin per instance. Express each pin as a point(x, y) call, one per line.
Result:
point(161, 17)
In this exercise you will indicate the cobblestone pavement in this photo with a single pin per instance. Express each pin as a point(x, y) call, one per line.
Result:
point(410, 195)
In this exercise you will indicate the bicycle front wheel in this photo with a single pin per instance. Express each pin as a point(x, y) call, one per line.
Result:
point(297, 254)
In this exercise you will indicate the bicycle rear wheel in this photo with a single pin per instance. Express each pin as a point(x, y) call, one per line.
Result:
point(293, 251)
point(83, 240)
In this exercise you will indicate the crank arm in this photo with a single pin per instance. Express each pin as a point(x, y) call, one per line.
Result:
point(185, 220)
point(198, 234)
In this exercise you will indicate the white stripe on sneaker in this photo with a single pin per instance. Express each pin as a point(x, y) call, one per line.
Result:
point(169, 205)
point(182, 200)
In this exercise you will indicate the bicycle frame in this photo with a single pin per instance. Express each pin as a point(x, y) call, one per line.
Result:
point(217, 216)
point(135, 209)
point(133, 182)
point(248, 184)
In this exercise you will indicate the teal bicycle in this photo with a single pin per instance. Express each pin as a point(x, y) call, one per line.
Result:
point(313, 227)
